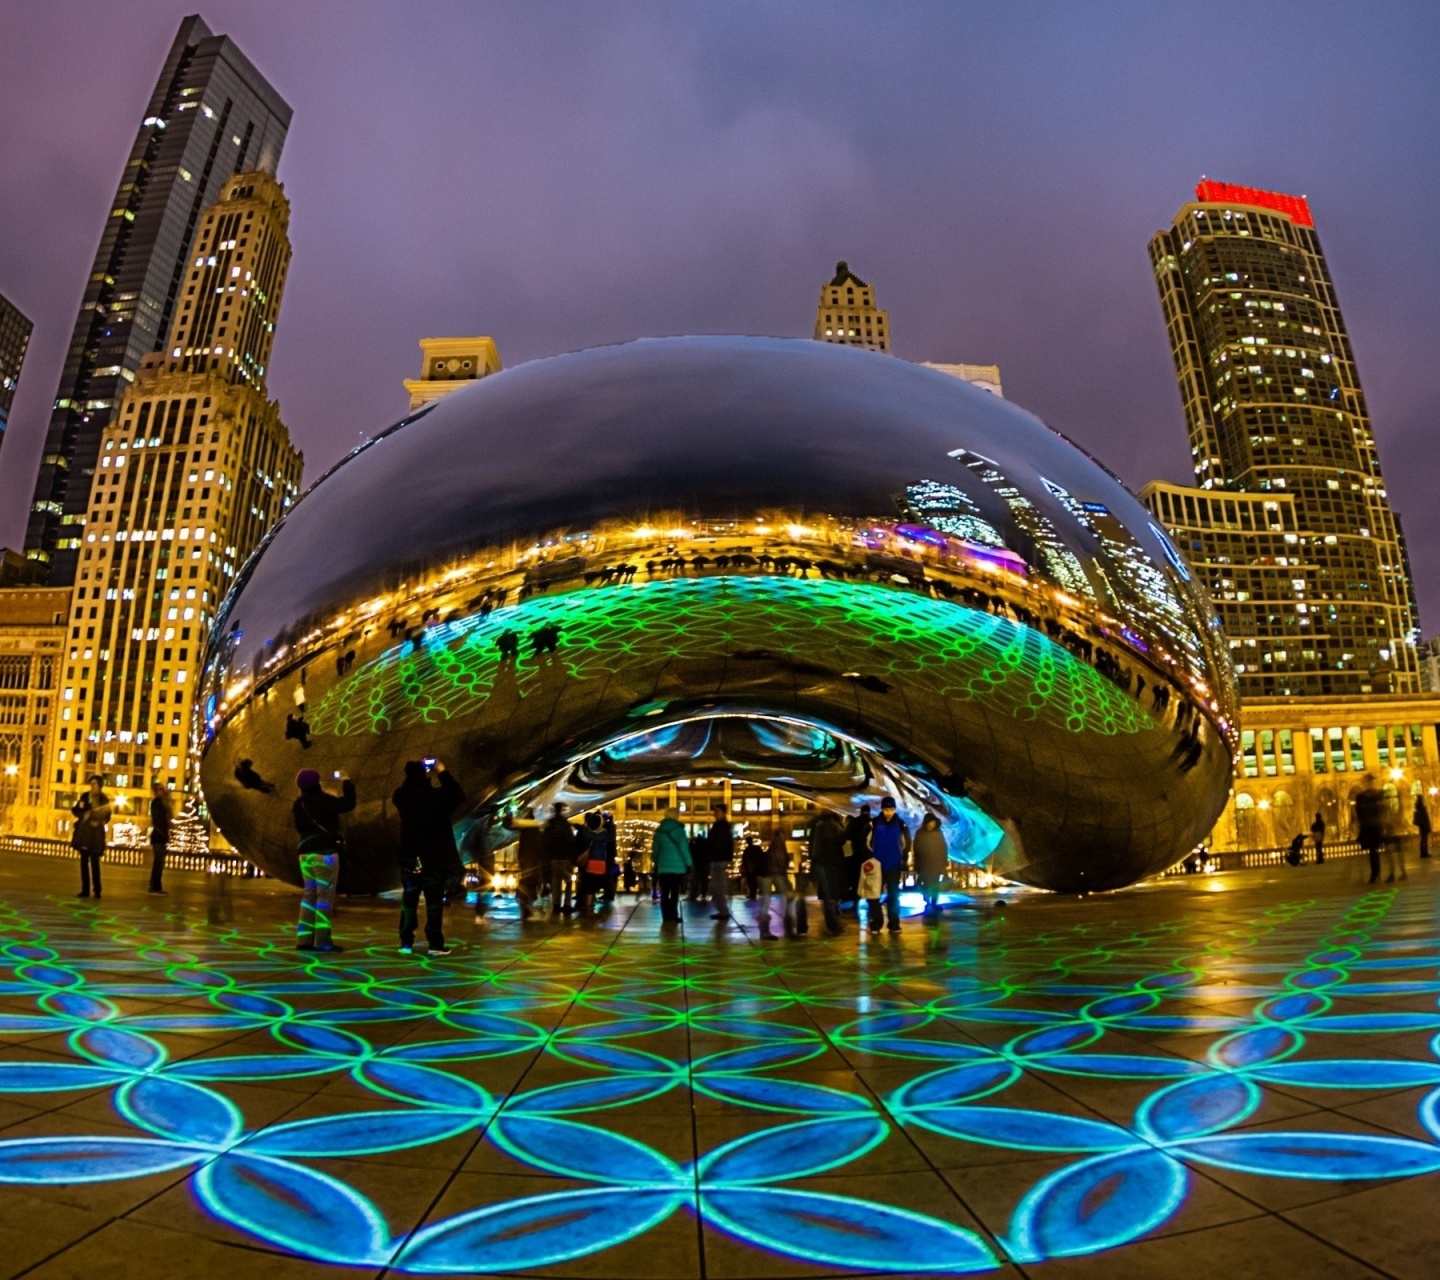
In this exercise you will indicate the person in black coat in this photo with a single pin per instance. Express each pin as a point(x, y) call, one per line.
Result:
point(1420, 816)
point(720, 853)
point(426, 802)
point(827, 866)
point(560, 842)
point(857, 837)
point(1370, 824)
point(159, 834)
point(92, 815)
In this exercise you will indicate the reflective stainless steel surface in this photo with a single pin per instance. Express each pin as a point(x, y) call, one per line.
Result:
point(758, 547)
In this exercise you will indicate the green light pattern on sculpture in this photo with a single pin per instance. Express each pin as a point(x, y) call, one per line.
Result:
point(934, 648)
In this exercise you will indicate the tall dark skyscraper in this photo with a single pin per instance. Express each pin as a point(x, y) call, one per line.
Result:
point(14, 338)
point(1308, 570)
point(211, 115)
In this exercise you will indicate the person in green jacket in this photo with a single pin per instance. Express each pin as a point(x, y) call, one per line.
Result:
point(671, 850)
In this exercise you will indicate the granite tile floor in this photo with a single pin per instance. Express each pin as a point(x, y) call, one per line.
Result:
point(1237, 1073)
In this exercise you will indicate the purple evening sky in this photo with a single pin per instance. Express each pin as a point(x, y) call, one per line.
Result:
point(562, 175)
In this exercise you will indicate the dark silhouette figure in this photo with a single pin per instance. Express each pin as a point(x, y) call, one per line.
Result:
point(559, 843)
point(1370, 819)
point(160, 818)
point(827, 867)
point(1420, 816)
point(752, 866)
point(88, 836)
point(509, 645)
point(1317, 834)
point(531, 856)
point(720, 852)
point(246, 776)
point(545, 639)
point(856, 849)
point(426, 802)
point(297, 729)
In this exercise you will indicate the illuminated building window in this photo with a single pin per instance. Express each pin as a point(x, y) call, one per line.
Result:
point(1250, 768)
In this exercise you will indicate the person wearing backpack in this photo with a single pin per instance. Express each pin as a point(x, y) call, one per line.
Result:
point(594, 860)
point(317, 821)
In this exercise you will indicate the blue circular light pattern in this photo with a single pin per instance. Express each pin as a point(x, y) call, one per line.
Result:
point(744, 1029)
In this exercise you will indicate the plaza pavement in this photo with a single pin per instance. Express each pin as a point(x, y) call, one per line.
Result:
point(1234, 1074)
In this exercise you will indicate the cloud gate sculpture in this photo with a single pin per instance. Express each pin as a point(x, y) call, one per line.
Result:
point(815, 567)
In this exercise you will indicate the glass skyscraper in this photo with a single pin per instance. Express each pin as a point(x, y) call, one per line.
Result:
point(14, 338)
point(210, 116)
point(1308, 570)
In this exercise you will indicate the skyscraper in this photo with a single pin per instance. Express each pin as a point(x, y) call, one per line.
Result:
point(847, 313)
point(211, 115)
point(14, 338)
point(1309, 572)
point(195, 468)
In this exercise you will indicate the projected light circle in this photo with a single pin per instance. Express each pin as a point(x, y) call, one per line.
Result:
point(819, 568)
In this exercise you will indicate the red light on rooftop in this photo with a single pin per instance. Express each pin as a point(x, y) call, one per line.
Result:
point(1295, 207)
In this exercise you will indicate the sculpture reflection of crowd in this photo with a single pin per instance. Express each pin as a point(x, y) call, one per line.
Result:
point(1100, 647)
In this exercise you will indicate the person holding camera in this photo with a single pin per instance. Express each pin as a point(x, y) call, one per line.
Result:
point(426, 802)
point(317, 820)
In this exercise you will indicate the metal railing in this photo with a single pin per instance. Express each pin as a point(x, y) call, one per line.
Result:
point(131, 855)
point(1249, 859)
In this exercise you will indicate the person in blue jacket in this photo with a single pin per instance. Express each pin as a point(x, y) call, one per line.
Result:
point(889, 846)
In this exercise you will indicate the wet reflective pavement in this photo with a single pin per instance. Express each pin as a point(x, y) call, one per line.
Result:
point(1237, 1072)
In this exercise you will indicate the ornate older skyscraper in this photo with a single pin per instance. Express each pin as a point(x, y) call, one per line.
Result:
point(847, 313)
point(211, 115)
point(1308, 572)
point(195, 468)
